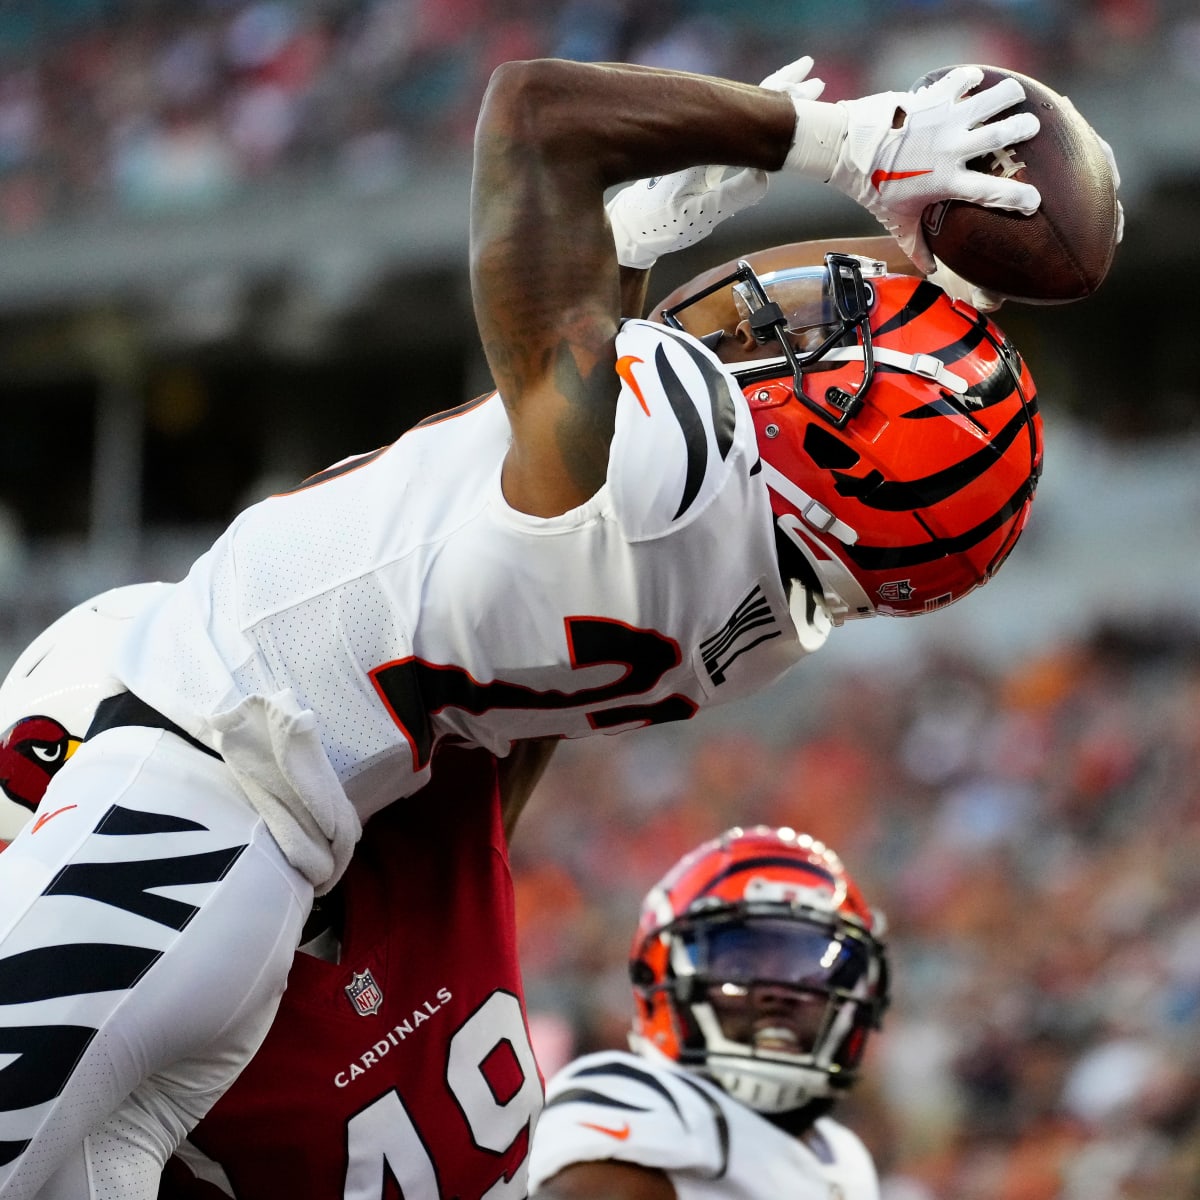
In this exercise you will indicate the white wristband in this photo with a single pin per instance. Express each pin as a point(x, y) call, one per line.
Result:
point(820, 132)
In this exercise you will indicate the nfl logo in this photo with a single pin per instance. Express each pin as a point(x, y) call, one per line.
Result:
point(899, 589)
point(364, 994)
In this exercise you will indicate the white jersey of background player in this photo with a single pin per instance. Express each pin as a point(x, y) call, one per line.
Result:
point(758, 973)
point(229, 784)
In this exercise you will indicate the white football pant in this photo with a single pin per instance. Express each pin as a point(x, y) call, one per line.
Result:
point(147, 925)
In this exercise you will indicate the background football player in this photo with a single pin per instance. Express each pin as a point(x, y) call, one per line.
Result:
point(759, 972)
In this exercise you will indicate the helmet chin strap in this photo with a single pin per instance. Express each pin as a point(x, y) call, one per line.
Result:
point(843, 596)
point(813, 512)
point(924, 365)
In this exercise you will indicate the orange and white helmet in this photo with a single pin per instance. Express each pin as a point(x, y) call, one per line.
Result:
point(758, 963)
point(50, 694)
point(899, 432)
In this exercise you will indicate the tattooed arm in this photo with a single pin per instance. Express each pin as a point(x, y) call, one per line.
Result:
point(552, 136)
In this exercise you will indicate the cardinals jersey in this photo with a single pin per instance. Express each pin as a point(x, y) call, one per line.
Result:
point(400, 600)
point(615, 1105)
point(404, 1069)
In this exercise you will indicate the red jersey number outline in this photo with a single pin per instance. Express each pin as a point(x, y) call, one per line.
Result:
point(414, 690)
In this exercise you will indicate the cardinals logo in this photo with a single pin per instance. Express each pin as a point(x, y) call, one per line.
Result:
point(31, 753)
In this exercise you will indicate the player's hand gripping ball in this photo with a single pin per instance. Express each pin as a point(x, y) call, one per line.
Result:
point(1061, 252)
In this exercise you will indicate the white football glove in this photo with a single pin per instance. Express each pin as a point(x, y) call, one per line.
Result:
point(672, 212)
point(896, 172)
point(958, 288)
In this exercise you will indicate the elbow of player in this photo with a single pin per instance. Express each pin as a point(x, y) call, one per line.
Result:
point(534, 102)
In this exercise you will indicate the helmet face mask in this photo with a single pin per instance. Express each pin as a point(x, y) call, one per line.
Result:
point(756, 964)
point(898, 429)
point(806, 312)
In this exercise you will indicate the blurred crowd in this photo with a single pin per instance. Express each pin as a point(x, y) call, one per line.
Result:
point(1032, 835)
point(167, 105)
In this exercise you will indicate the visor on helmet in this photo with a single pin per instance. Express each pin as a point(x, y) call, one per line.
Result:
point(807, 312)
point(805, 299)
point(777, 950)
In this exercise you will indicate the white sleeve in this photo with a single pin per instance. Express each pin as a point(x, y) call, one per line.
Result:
point(682, 427)
point(616, 1106)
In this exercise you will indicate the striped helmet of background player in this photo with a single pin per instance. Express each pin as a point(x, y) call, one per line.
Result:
point(899, 430)
point(50, 694)
point(758, 963)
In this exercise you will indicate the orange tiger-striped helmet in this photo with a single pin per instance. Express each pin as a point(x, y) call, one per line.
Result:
point(899, 431)
point(758, 963)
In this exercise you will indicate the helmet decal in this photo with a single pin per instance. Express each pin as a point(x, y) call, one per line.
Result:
point(924, 297)
point(934, 471)
point(878, 558)
point(900, 495)
point(31, 753)
point(828, 450)
point(899, 433)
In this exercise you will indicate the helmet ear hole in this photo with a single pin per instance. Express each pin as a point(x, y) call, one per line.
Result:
point(641, 973)
point(793, 565)
point(829, 451)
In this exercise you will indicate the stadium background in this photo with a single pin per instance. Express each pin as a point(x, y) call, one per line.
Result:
point(233, 250)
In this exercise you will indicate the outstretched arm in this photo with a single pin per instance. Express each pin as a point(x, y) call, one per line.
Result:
point(552, 136)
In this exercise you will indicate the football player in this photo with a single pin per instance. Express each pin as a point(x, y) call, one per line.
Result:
point(758, 975)
point(627, 530)
point(400, 1054)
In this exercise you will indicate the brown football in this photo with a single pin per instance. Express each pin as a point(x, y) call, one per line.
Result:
point(1063, 251)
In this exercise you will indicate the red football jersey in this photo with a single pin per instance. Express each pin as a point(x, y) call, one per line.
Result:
point(405, 1070)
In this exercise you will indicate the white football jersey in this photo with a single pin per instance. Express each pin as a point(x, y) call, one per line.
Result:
point(399, 598)
point(615, 1105)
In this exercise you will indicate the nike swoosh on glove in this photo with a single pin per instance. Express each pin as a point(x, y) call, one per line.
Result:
point(896, 153)
point(658, 216)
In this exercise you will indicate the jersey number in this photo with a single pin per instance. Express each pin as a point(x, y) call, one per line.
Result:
point(413, 689)
point(382, 1139)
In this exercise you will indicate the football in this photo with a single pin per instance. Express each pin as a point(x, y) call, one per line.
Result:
point(1063, 251)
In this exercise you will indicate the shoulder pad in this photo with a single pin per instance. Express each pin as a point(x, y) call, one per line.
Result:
point(621, 1106)
point(681, 427)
